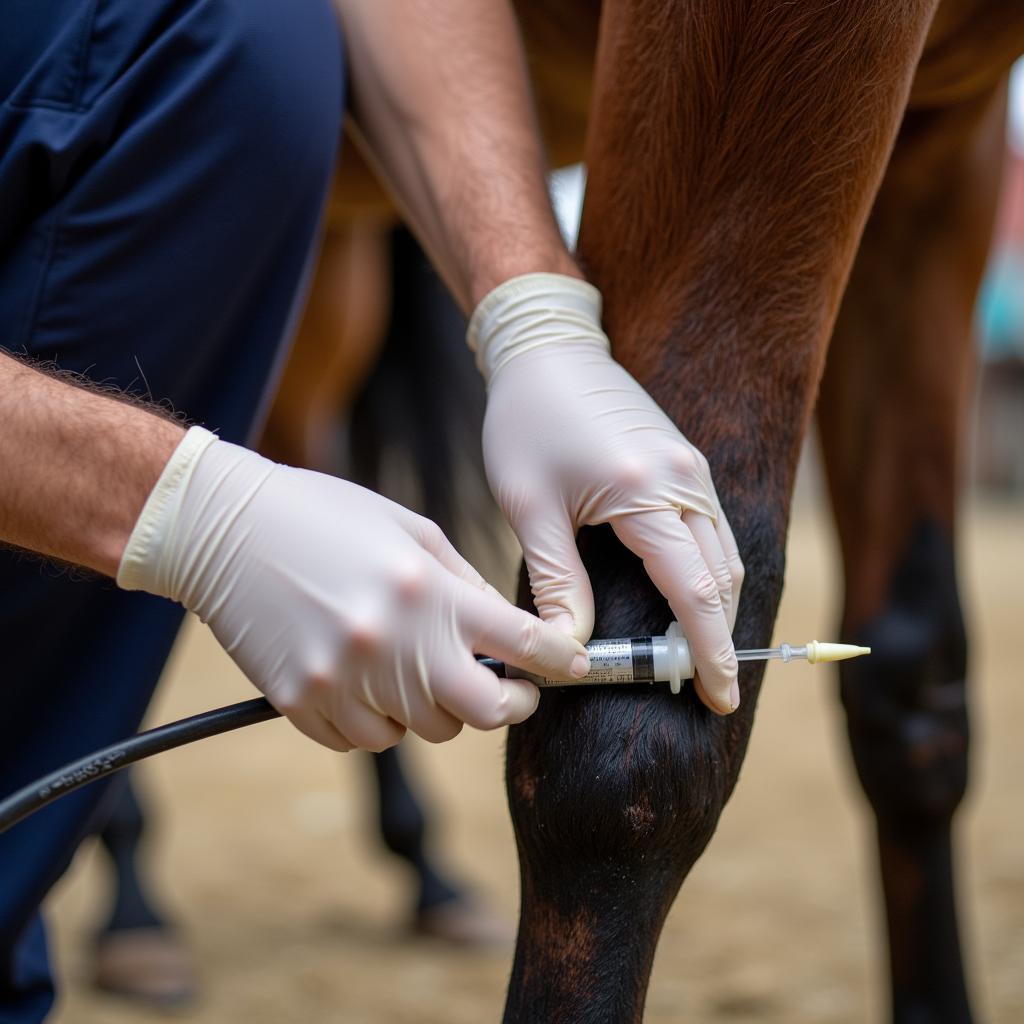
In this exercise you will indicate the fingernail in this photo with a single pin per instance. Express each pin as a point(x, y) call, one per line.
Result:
point(734, 695)
point(580, 666)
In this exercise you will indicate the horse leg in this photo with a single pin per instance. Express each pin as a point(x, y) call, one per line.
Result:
point(328, 380)
point(339, 339)
point(403, 828)
point(733, 156)
point(892, 416)
point(121, 839)
point(138, 953)
point(423, 395)
point(442, 908)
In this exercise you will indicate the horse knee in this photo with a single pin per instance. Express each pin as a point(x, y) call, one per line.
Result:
point(631, 777)
point(637, 771)
point(906, 704)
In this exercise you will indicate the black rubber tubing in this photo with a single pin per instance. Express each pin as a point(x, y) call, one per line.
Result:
point(101, 763)
point(97, 765)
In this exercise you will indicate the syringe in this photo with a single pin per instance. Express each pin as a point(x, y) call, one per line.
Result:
point(645, 659)
point(667, 659)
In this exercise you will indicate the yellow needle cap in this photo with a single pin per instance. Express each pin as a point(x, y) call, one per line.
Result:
point(819, 652)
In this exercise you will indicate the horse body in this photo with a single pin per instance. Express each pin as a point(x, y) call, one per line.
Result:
point(766, 180)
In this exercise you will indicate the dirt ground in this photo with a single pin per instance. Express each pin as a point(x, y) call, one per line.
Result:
point(267, 859)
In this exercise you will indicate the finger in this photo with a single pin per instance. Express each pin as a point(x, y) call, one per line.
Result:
point(433, 539)
point(436, 725)
point(705, 697)
point(736, 570)
point(500, 629)
point(558, 579)
point(410, 702)
point(314, 725)
point(476, 696)
point(675, 565)
point(366, 728)
point(706, 536)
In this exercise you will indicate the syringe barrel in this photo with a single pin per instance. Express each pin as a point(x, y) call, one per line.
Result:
point(641, 659)
point(617, 660)
point(620, 661)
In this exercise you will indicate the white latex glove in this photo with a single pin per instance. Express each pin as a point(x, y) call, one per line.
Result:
point(571, 440)
point(355, 616)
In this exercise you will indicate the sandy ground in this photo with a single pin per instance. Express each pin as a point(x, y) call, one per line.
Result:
point(295, 916)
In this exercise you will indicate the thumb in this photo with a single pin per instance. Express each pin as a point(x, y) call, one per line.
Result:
point(560, 584)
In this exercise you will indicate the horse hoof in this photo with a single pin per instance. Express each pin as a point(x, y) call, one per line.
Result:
point(466, 923)
point(150, 965)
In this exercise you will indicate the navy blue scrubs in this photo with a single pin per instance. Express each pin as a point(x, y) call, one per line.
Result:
point(163, 167)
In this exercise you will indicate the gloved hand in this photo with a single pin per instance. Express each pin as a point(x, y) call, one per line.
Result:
point(571, 440)
point(355, 616)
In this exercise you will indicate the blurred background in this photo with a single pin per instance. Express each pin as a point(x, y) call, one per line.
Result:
point(263, 849)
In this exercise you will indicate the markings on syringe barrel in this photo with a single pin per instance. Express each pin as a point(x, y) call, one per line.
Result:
point(643, 659)
point(621, 661)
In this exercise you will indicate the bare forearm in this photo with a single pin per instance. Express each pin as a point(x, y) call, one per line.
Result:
point(75, 467)
point(442, 100)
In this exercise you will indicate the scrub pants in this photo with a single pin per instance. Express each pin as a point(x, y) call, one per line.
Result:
point(163, 166)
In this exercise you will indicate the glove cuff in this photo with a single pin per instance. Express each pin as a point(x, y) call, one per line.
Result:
point(140, 563)
point(530, 311)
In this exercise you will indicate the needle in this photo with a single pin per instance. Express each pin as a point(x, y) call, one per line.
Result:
point(815, 652)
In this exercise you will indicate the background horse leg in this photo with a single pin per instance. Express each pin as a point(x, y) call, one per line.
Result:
point(138, 952)
point(403, 828)
point(413, 435)
point(132, 905)
point(381, 388)
point(892, 413)
point(442, 909)
point(340, 338)
point(734, 153)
